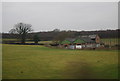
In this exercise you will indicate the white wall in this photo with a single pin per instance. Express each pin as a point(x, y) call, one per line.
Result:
point(78, 46)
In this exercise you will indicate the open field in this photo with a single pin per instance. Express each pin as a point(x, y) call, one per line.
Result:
point(39, 62)
point(110, 41)
point(42, 42)
point(27, 41)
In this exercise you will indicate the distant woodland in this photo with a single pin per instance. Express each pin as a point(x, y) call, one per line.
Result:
point(57, 34)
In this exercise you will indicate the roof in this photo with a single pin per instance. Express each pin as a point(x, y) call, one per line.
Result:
point(68, 41)
point(90, 36)
point(65, 42)
point(71, 39)
point(79, 41)
point(87, 39)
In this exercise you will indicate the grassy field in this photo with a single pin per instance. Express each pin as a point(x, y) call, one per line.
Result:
point(42, 42)
point(39, 62)
point(27, 41)
point(110, 41)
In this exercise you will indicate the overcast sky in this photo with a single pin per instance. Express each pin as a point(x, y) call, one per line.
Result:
point(65, 16)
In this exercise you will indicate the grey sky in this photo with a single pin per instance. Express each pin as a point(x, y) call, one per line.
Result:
point(65, 16)
point(0, 17)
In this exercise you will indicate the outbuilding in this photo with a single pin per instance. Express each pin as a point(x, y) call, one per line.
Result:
point(86, 41)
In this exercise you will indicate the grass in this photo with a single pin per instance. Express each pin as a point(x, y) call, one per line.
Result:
point(42, 42)
point(0, 61)
point(39, 62)
point(110, 41)
point(27, 41)
point(8, 39)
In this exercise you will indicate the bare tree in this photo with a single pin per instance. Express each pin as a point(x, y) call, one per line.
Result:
point(22, 29)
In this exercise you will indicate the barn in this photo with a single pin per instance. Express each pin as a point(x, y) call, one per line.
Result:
point(81, 42)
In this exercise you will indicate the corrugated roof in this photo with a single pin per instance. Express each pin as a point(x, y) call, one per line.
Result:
point(65, 42)
point(87, 39)
point(81, 39)
point(91, 36)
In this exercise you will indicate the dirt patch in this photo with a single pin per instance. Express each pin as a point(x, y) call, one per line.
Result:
point(78, 70)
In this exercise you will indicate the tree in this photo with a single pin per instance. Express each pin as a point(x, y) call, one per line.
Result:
point(56, 30)
point(61, 36)
point(22, 29)
point(36, 39)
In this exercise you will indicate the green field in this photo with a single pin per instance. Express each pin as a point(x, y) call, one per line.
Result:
point(110, 41)
point(42, 42)
point(27, 41)
point(39, 62)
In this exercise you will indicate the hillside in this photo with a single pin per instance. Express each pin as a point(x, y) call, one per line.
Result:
point(46, 36)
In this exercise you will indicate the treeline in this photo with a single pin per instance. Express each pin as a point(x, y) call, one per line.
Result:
point(51, 35)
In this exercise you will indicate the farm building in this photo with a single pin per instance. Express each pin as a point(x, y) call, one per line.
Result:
point(81, 42)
